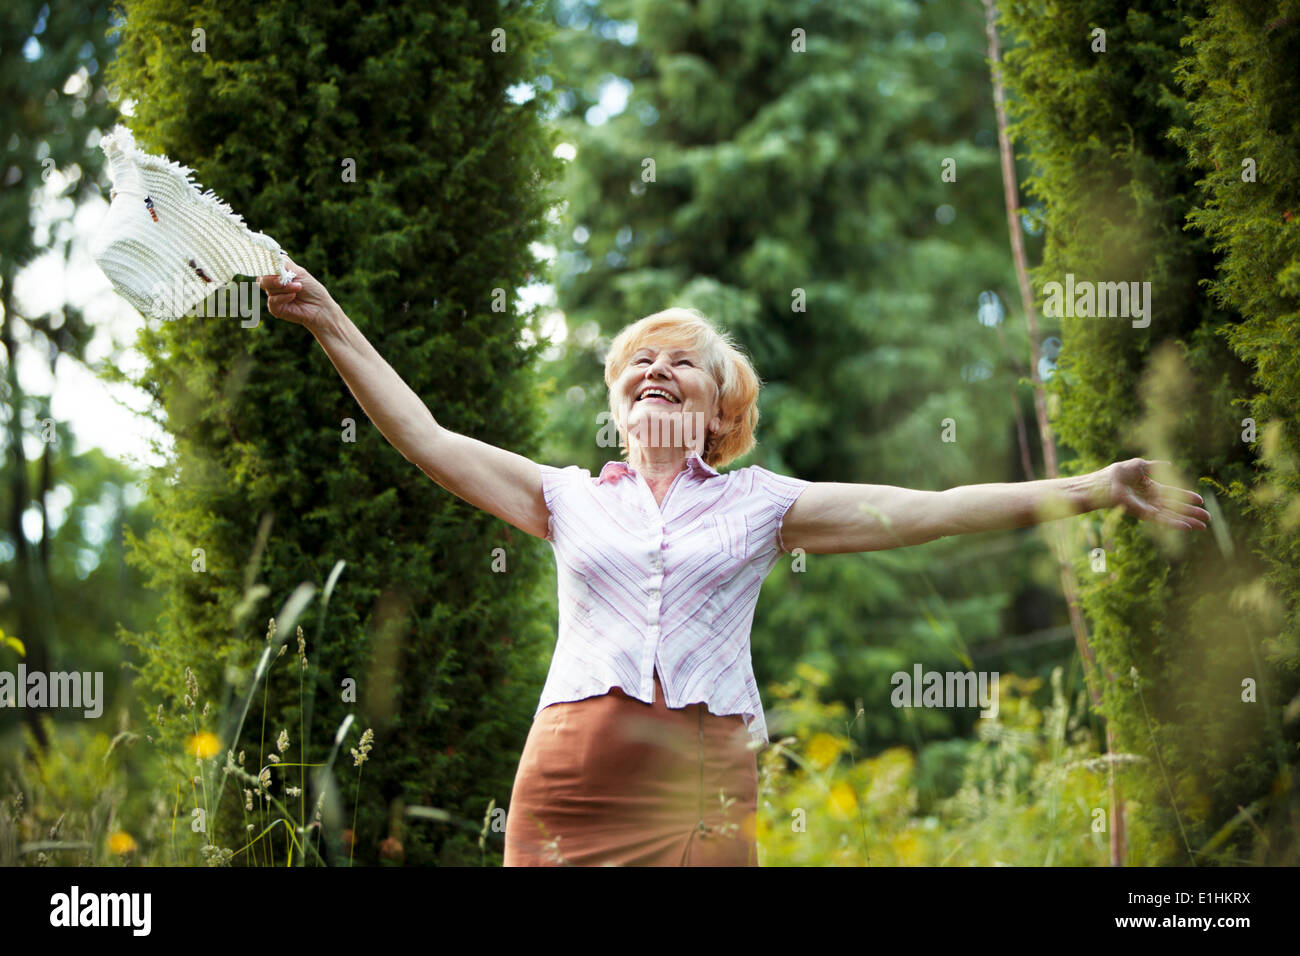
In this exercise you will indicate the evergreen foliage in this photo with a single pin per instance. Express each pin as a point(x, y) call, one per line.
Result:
point(271, 103)
point(1178, 623)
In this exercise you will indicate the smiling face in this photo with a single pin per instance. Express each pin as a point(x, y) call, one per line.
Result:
point(667, 398)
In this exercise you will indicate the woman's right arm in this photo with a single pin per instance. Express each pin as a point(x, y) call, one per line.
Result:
point(493, 479)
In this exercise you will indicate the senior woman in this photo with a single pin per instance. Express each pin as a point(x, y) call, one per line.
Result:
point(643, 747)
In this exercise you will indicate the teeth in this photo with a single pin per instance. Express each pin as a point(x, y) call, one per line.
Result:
point(656, 392)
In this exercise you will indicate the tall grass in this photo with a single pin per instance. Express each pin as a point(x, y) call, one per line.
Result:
point(133, 799)
point(1025, 794)
point(1028, 790)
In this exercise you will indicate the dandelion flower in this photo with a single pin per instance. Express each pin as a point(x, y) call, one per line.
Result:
point(203, 745)
point(122, 842)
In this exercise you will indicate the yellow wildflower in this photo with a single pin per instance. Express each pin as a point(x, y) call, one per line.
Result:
point(908, 849)
point(843, 801)
point(122, 842)
point(203, 744)
point(823, 749)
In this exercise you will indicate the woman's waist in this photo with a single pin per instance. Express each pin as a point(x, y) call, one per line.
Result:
point(615, 704)
point(624, 735)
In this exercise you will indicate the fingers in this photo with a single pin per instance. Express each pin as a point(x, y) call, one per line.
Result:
point(1171, 491)
point(1181, 500)
point(1174, 514)
point(1187, 522)
point(272, 284)
point(276, 304)
point(1175, 520)
point(1186, 519)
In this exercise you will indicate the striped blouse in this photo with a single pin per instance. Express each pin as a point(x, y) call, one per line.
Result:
point(674, 589)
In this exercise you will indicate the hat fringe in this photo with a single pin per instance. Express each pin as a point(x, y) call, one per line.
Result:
point(119, 139)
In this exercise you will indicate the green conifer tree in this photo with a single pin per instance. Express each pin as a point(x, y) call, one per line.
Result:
point(1170, 615)
point(1244, 106)
point(378, 146)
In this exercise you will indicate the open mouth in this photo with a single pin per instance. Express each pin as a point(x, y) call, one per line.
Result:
point(654, 394)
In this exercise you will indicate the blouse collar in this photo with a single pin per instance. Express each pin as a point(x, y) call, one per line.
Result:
point(613, 470)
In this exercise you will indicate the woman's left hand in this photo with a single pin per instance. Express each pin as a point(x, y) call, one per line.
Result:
point(1130, 486)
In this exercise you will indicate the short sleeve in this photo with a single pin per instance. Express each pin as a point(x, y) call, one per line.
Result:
point(777, 494)
point(556, 485)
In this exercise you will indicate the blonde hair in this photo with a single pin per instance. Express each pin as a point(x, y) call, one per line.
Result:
point(738, 383)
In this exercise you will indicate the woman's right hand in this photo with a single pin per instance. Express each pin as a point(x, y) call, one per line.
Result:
point(304, 300)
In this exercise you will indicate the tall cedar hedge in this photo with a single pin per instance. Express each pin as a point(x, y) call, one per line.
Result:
point(1244, 93)
point(449, 191)
point(1192, 616)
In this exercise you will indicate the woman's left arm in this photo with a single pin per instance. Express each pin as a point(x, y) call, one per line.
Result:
point(833, 518)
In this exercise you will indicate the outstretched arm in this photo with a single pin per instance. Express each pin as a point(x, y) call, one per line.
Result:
point(833, 518)
point(498, 481)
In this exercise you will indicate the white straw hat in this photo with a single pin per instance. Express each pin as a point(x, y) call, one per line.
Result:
point(164, 245)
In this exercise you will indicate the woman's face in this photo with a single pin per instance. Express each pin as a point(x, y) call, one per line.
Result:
point(679, 419)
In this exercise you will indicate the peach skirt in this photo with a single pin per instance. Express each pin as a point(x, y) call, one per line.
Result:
point(613, 781)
